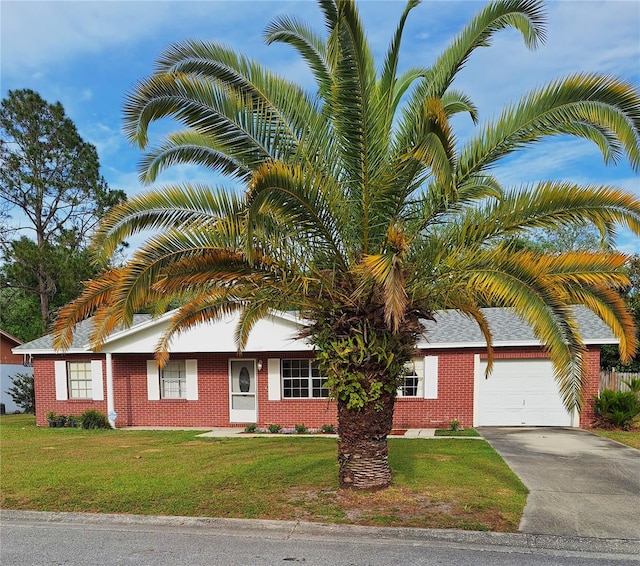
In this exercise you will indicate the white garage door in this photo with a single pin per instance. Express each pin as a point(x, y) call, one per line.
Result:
point(520, 393)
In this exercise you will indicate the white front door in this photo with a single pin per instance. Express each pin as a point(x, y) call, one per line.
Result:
point(242, 391)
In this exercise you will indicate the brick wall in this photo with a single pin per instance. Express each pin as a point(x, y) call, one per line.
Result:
point(591, 389)
point(455, 393)
point(44, 383)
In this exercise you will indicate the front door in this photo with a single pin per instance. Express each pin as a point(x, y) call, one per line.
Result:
point(242, 391)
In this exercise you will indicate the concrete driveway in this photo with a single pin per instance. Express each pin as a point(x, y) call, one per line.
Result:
point(580, 484)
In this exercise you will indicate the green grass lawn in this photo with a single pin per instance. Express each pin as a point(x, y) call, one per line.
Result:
point(461, 432)
point(443, 484)
point(630, 437)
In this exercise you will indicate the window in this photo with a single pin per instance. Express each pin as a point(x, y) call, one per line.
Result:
point(302, 379)
point(411, 385)
point(80, 380)
point(173, 380)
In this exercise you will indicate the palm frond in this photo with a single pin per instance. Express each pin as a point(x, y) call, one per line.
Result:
point(600, 108)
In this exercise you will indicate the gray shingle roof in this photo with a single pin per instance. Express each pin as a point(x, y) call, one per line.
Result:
point(80, 335)
point(450, 327)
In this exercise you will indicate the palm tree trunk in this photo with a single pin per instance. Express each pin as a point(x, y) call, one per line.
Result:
point(362, 447)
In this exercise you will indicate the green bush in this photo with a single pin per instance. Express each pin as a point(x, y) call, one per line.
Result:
point(251, 428)
point(328, 429)
point(274, 428)
point(301, 429)
point(633, 384)
point(94, 419)
point(73, 421)
point(616, 408)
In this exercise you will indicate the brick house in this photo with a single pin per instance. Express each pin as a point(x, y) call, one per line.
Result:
point(207, 384)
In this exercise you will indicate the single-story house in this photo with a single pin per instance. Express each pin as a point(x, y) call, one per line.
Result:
point(10, 365)
point(275, 380)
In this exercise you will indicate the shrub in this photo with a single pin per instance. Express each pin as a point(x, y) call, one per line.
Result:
point(301, 429)
point(73, 421)
point(633, 384)
point(454, 425)
point(251, 428)
point(274, 428)
point(23, 393)
point(616, 408)
point(94, 419)
point(328, 429)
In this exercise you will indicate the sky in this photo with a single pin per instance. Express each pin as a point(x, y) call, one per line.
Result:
point(89, 54)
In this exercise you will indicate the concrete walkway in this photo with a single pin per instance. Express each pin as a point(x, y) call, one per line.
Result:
point(580, 484)
point(226, 432)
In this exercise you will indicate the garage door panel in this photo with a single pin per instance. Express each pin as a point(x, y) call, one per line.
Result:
point(520, 392)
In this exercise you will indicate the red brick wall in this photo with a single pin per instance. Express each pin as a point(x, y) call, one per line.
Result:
point(45, 390)
point(591, 389)
point(134, 409)
point(455, 393)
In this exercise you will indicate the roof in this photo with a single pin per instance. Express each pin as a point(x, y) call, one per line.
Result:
point(10, 338)
point(44, 344)
point(451, 329)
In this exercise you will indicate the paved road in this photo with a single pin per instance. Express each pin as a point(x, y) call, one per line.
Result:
point(580, 484)
point(38, 539)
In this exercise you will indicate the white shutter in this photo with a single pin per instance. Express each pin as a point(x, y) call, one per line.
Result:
point(153, 381)
point(273, 367)
point(191, 367)
point(60, 368)
point(418, 364)
point(431, 377)
point(96, 380)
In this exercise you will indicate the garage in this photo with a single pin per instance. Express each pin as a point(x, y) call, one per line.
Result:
point(519, 392)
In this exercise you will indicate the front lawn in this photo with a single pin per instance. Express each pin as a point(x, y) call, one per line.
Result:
point(443, 484)
point(460, 432)
point(630, 437)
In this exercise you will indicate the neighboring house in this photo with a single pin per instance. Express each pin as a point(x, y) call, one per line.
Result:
point(207, 383)
point(10, 365)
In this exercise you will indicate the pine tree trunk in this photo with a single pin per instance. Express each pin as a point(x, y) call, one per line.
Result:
point(362, 447)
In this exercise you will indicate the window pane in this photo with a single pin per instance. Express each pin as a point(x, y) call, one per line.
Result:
point(410, 386)
point(173, 380)
point(80, 382)
point(317, 383)
point(295, 378)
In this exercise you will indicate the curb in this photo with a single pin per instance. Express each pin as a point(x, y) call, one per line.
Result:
point(526, 543)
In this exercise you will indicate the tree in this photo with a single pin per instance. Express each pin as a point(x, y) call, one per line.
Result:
point(51, 178)
point(610, 354)
point(23, 392)
point(362, 211)
point(584, 238)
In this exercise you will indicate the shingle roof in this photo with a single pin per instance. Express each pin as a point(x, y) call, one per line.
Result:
point(80, 335)
point(450, 328)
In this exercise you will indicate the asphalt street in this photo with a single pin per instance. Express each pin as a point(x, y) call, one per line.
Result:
point(34, 539)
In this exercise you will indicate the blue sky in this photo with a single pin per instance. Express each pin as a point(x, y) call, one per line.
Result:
point(88, 54)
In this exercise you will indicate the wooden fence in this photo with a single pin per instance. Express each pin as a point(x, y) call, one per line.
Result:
point(614, 379)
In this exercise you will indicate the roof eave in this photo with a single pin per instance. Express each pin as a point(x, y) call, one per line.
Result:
point(507, 344)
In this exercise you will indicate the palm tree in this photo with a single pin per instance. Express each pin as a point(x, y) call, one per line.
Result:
point(361, 211)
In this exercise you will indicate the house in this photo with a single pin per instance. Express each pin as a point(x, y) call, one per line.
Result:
point(207, 384)
point(10, 365)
